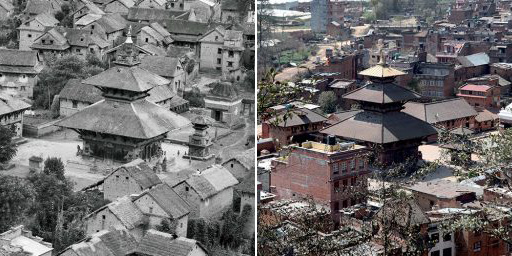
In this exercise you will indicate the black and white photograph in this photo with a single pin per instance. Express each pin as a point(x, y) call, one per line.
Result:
point(127, 127)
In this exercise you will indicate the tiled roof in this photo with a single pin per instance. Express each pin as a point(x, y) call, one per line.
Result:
point(300, 117)
point(186, 27)
point(140, 172)
point(156, 243)
point(60, 42)
point(380, 128)
point(160, 93)
point(42, 6)
point(211, 181)
point(88, 19)
point(15, 61)
point(245, 158)
point(152, 14)
point(247, 185)
point(139, 119)
point(440, 111)
point(112, 22)
point(83, 38)
point(486, 115)
point(133, 79)
point(8, 104)
point(125, 211)
point(160, 65)
point(105, 243)
point(382, 93)
point(233, 35)
point(168, 200)
point(177, 101)
point(76, 90)
point(224, 90)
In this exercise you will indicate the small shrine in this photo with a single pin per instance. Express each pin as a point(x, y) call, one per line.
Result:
point(200, 142)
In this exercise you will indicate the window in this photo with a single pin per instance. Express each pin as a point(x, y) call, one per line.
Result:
point(230, 64)
point(219, 51)
point(181, 225)
point(103, 217)
point(335, 169)
point(217, 38)
point(181, 5)
point(219, 61)
point(447, 252)
point(150, 209)
point(435, 253)
point(172, 5)
point(117, 176)
point(336, 206)
point(343, 166)
point(345, 184)
point(434, 237)
point(187, 188)
point(77, 50)
point(231, 54)
point(43, 41)
point(232, 165)
point(353, 181)
point(447, 237)
point(92, 26)
point(361, 163)
point(345, 204)
point(147, 40)
point(127, 178)
point(51, 41)
point(29, 35)
point(336, 184)
point(352, 164)
point(477, 246)
point(75, 104)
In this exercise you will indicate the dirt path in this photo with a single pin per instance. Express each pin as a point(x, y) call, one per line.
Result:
point(240, 144)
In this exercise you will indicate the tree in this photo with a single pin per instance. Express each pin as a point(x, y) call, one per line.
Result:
point(53, 78)
point(16, 197)
point(54, 166)
point(8, 149)
point(195, 97)
point(167, 226)
point(327, 101)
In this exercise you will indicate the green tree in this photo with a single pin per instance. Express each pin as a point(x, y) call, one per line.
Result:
point(16, 197)
point(54, 166)
point(327, 101)
point(8, 149)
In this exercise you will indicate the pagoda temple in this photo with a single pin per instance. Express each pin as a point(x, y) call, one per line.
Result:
point(382, 125)
point(125, 125)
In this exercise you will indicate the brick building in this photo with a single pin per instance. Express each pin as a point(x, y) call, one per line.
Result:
point(334, 174)
point(480, 96)
point(436, 80)
point(443, 194)
point(296, 128)
point(446, 114)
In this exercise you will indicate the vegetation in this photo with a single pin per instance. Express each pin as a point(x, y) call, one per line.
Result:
point(8, 149)
point(58, 72)
point(226, 233)
point(17, 195)
point(65, 16)
point(327, 101)
point(194, 97)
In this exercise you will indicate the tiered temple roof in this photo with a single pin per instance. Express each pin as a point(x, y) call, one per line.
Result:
point(381, 120)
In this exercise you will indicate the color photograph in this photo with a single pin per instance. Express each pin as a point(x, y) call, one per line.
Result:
point(383, 127)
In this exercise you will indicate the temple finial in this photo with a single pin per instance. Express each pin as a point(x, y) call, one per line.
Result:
point(382, 61)
point(129, 35)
